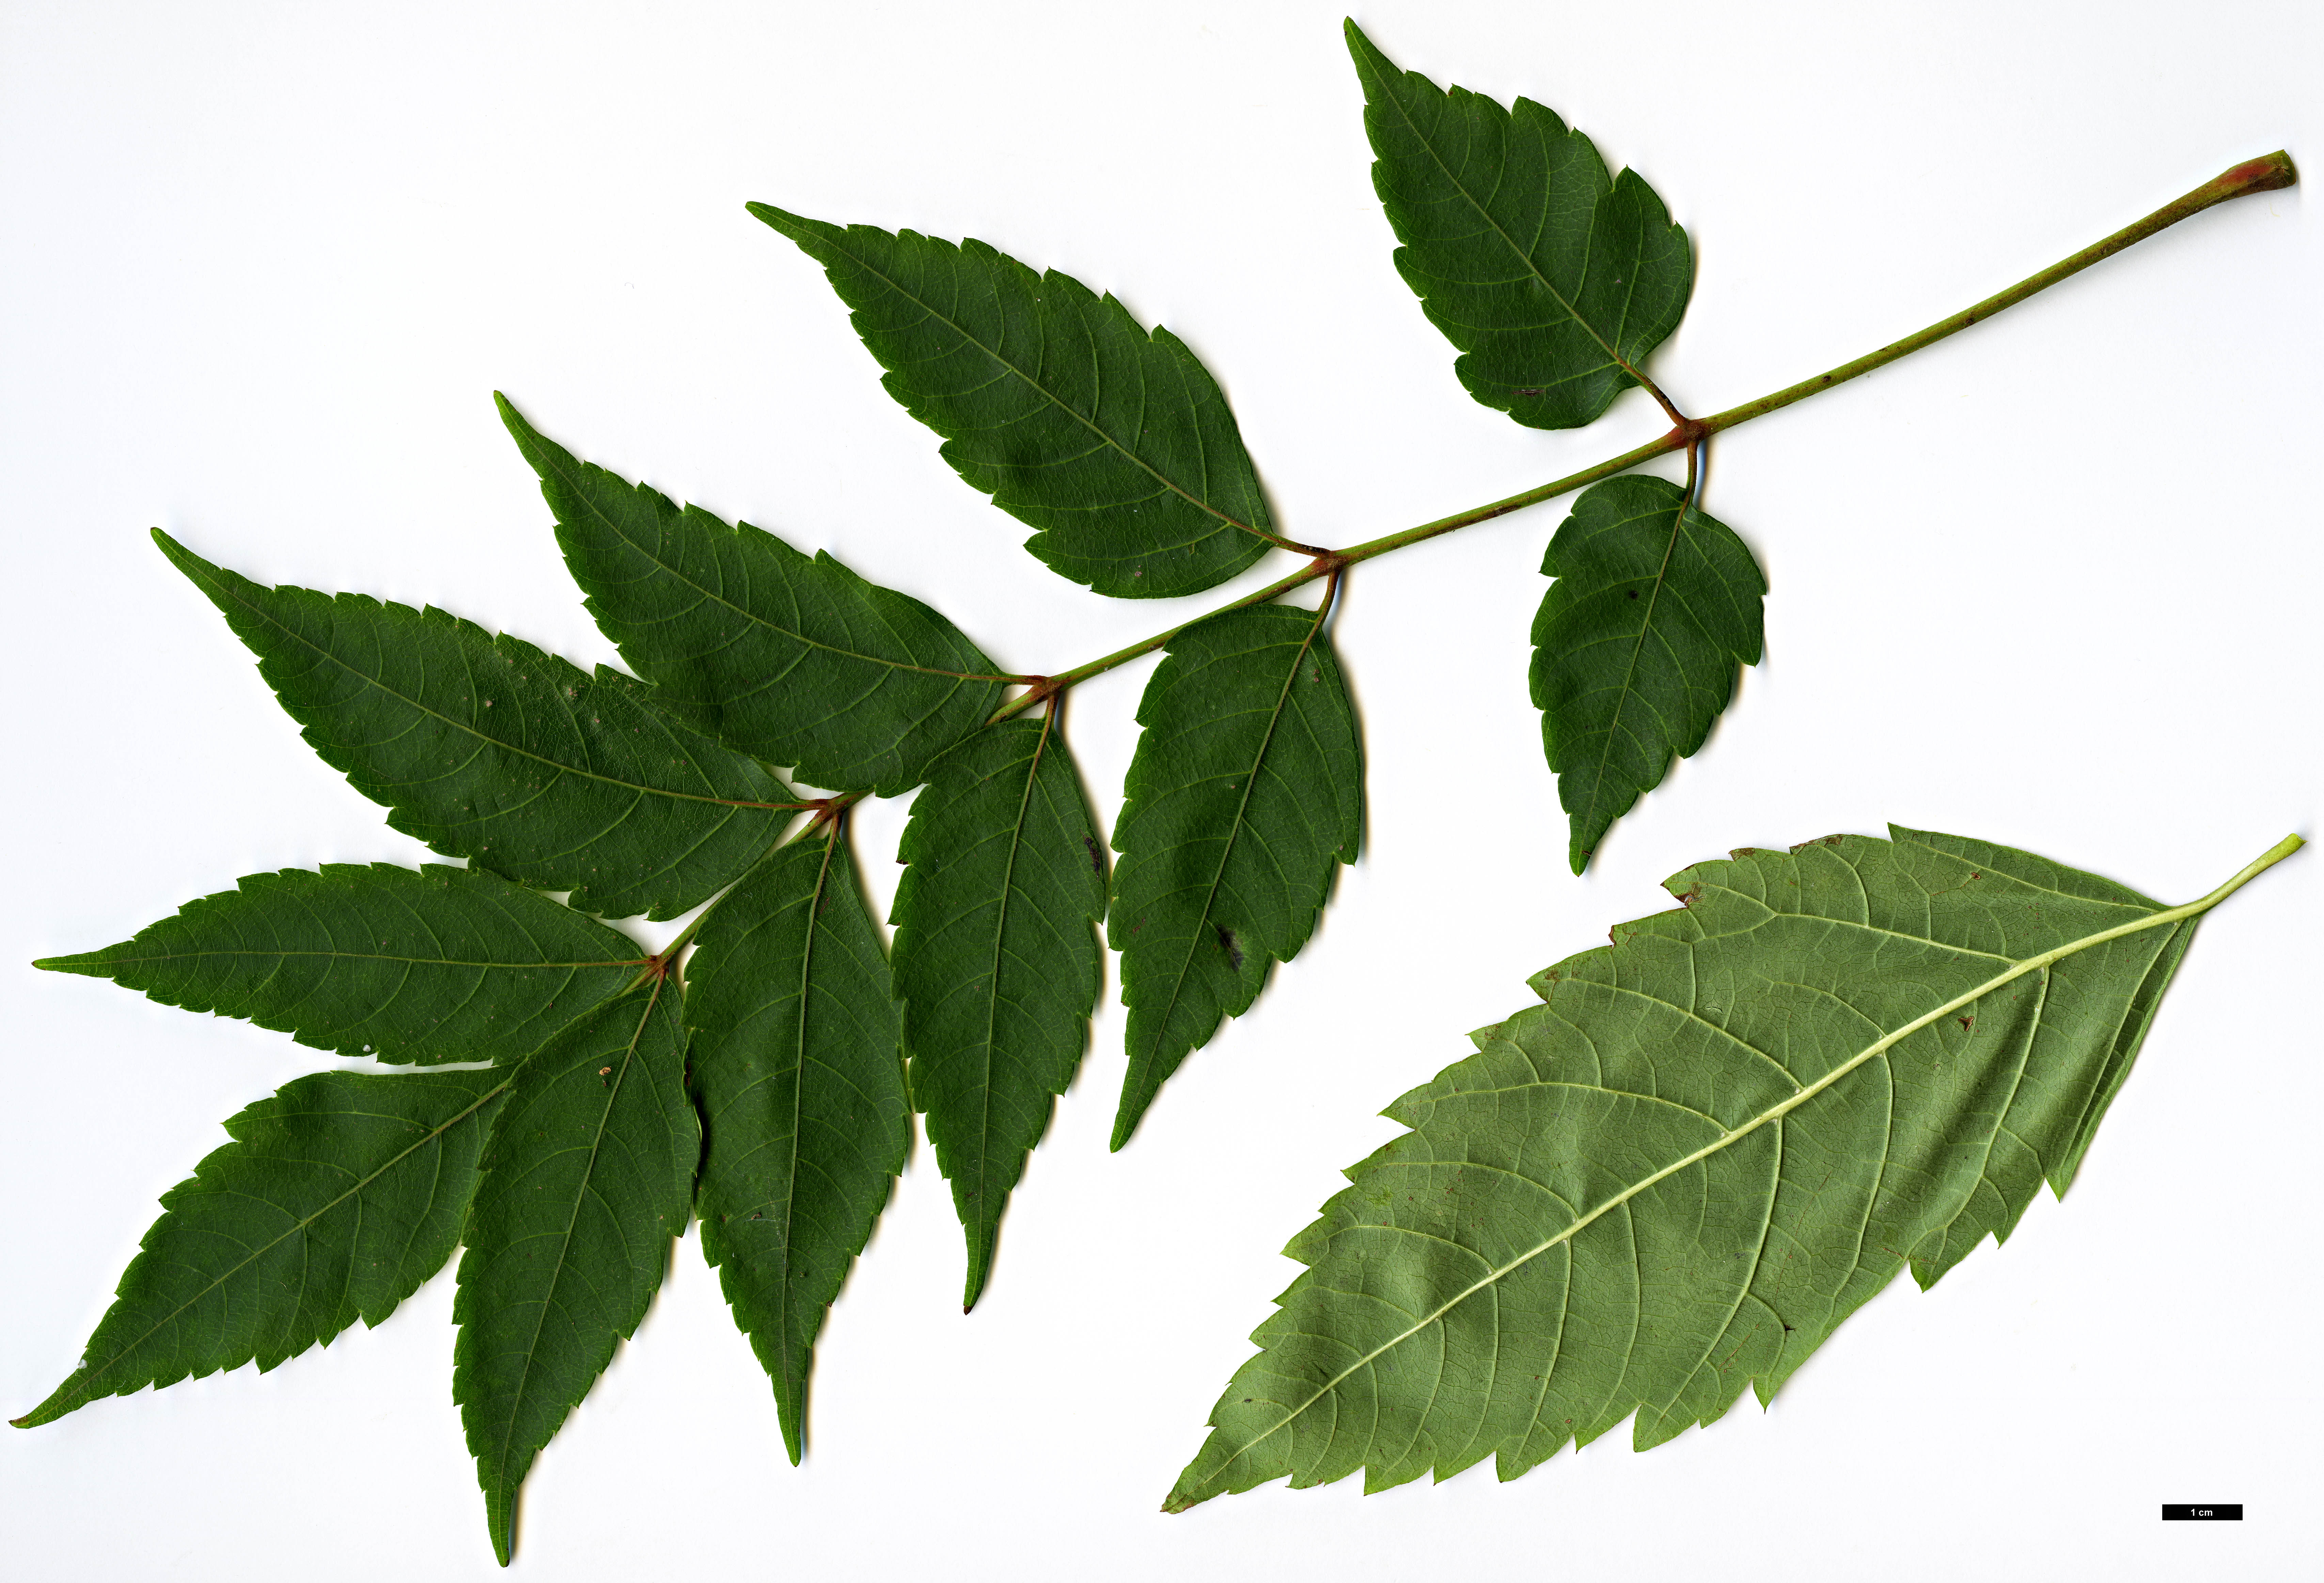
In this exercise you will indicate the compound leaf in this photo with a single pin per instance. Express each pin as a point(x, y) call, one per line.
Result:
point(1552, 281)
point(488, 749)
point(586, 1175)
point(997, 960)
point(1113, 442)
point(793, 660)
point(438, 964)
point(1635, 644)
point(338, 1197)
point(797, 1063)
point(1720, 1135)
point(1244, 797)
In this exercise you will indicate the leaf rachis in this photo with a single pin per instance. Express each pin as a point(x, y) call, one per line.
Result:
point(2266, 174)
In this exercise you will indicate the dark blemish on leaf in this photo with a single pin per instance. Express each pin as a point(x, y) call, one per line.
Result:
point(1234, 951)
point(1976, 876)
point(1967, 1020)
point(1634, 593)
point(1528, 392)
point(1097, 858)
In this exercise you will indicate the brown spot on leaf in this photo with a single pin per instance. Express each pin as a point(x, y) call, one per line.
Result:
point(1228, 943)
point(1097, 858)
point(1967, 1020)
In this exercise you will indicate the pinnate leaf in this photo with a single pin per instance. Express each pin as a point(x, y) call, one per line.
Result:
point(1720, 1135)
point(996, 959)
point(1113, 441)
point(1244, 798)
point(438, 964)
point(487, 749)
point(791, 659)
point(796, 1062)
point(586, 1175)
point(338, 1197)
point(1637, 644)
point(1552, 281)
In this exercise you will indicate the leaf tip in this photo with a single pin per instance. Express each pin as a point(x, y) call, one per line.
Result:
point(790, 1413)
point(184, 559)
point(782, 220)
point(537, 448)
point(980, 1270)
point(88, 964)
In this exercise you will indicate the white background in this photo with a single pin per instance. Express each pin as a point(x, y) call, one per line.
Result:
point(2052, 584)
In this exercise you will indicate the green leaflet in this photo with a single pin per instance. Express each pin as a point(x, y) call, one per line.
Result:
point(585, 1181)
point(441, 964)
point(1115, 444)
point(338, 1197)
point(996, 958)
point(1719, 1136)
point(791, 659)
point(1554, 282)
point(801, 1085)
point(486, 748)
point(1636, 645)
point(1245, 796)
